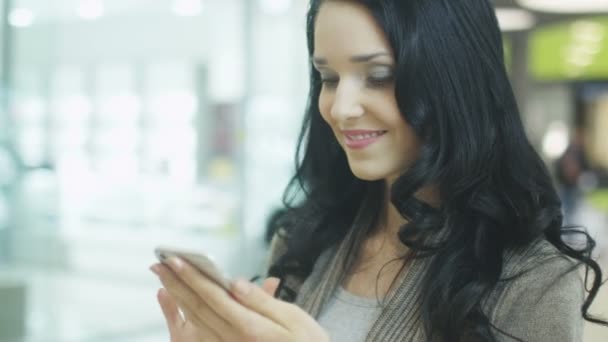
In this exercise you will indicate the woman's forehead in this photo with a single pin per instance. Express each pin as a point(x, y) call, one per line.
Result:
point(347, 27)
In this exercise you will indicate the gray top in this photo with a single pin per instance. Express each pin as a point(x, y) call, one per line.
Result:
point(348, 317)
point(542, 304)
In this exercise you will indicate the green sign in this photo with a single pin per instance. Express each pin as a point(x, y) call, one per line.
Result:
point(574, 50)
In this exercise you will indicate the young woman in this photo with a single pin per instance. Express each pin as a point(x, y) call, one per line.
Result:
point(418, 212)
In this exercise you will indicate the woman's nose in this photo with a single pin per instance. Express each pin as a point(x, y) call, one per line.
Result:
point(347, 103)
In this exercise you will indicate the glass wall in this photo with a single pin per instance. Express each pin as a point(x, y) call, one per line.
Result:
point(125, 136)
point(131, 121)
point(138, 124)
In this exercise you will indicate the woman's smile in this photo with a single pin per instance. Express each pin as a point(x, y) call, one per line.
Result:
point(359, 139)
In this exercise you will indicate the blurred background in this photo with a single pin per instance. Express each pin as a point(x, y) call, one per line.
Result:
point(125, 124)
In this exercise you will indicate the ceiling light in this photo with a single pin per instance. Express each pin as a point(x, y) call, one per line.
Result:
point(187, 8)
point(21, 17)
point(514, 19)
point(566, 6)
point(90, 9)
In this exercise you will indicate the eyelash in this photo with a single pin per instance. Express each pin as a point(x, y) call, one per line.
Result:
point(372, 82)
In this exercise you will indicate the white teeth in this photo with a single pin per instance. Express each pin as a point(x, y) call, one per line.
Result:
point(364, 136)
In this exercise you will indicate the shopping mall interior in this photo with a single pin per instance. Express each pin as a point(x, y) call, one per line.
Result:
point(128, 124)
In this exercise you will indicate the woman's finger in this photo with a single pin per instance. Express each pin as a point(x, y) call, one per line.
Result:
point(201, 331)
point(243, 322)
point(194, 307)
point(270, 285)
point(179, 329)
point(170, 311)
point(260, 301)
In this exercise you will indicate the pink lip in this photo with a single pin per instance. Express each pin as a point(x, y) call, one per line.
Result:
point(362, 143)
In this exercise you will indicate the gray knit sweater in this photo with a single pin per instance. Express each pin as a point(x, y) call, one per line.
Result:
point(542, 304)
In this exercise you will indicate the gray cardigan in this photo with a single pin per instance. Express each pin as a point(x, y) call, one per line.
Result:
point(542, 304)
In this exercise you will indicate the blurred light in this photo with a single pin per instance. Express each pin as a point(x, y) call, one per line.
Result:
point(586, 37)
point(176, 106)
point(21, 17)
point(580, 60)
point(30, 109)
point(555, 141)
point(275, 7)
point(167, 143)
point(90, 9)
point(588, 50)
point(74, 107)
point(587, 31)
point(573, 70)
point(514, 19)
point(116, 167)
point(123, 108)
point(187, 8)
point(117, 141)
point(69, 140)
point(566, 6)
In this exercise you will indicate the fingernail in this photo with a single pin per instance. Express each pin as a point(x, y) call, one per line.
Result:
point(176, 263)
point(241, 287)
point(160, 293)
point(155, 269)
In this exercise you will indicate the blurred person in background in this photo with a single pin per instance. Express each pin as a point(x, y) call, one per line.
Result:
point(569, 168)
point(419, 210)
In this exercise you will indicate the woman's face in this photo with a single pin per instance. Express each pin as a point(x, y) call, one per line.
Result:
point(357, 98)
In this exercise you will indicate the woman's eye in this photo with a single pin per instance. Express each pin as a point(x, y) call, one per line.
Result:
point(380, 80)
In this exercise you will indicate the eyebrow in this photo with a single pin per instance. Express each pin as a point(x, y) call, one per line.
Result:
point(355, 59)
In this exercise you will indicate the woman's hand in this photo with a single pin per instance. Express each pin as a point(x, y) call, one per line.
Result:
point(180, 330)
point(246, 313)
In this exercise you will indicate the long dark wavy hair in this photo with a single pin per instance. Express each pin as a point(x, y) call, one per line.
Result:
point(452, 88)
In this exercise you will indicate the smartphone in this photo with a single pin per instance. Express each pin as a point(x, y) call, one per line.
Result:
point(202, 262)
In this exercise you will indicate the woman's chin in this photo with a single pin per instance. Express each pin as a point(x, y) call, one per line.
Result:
point(368, 175)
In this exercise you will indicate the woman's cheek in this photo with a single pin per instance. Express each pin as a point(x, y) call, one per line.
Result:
point(325, 108)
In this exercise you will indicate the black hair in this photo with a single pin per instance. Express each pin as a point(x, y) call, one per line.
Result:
point(452, 88)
